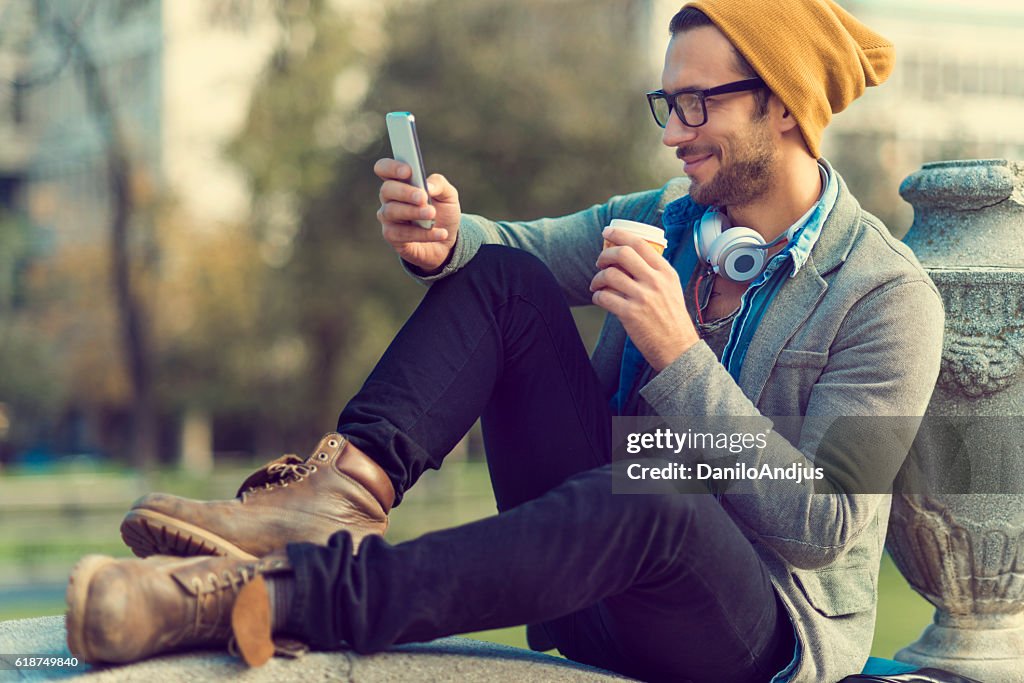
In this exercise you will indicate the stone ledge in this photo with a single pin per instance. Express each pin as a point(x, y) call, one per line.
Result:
point(447, 659)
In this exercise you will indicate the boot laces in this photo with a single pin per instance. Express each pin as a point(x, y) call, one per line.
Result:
point(217, 600)
point(281, 474)
point(285, 473)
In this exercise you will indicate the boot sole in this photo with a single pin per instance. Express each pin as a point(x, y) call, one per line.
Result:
point(76, 596)
point(153, 533)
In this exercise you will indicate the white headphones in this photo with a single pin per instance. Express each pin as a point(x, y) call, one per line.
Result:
point(736, 253)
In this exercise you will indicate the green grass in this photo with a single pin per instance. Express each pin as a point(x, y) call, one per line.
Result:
point(43, 608)
point(902, 613)
point(513, 637)
point(61, 550)
point(50, 542)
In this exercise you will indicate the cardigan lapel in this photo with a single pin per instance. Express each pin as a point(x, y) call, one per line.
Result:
point(786, 313)
point(800, 294)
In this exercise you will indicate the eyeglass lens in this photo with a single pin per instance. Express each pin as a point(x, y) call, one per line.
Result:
point(688, 107)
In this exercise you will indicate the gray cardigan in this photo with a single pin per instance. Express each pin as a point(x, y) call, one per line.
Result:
point(857, 332)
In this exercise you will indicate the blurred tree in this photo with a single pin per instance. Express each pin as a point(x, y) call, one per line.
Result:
point(530, 108)
point(29, 377)
point(61, 343)
point(132, 319)
point(14, 247)
point(219, 352)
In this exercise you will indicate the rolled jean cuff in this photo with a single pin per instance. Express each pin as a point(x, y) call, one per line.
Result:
point(313, 618)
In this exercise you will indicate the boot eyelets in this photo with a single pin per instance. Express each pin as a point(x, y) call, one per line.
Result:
point(332, 443)
point(322, 455)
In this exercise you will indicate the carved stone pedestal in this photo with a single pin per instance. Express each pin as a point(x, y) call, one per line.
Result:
point(959, 540)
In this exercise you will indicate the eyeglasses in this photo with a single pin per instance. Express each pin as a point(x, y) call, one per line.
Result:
point(689, 104)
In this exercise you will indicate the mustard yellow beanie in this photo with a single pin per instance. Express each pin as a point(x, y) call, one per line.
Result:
point(814, 55)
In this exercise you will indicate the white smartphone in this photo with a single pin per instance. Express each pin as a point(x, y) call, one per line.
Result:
point(405, 145)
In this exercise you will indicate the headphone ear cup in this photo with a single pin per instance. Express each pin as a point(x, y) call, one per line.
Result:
point(711, 226)
point(736, 254)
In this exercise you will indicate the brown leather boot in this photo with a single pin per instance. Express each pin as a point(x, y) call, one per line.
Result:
point(125, 610)
point(290, 500)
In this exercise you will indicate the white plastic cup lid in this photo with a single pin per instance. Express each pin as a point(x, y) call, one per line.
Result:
point(648, 232)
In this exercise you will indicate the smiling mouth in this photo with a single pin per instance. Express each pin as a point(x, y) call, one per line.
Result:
point(691, 163)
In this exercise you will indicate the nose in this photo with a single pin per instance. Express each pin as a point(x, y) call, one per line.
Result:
point(676, 132)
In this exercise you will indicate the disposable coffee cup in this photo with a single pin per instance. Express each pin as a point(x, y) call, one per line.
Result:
point(650, 234)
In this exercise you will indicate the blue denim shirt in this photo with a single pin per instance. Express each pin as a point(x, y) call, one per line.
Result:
point(680, 219)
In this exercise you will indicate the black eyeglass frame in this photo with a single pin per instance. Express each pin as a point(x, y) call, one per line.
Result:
point(702, 95)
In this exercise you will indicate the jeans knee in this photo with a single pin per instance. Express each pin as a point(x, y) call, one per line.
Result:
point(514, 268)
point(502, 256)
point(647, 508)
point(670, 514)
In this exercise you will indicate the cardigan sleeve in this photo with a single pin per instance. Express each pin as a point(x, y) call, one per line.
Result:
point(880, 373)
point(568, 245)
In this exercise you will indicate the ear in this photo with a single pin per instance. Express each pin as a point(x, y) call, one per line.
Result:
point(785, 120)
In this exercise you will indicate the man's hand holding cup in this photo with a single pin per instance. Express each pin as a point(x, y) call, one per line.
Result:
point(642, 289)
point(401, 203)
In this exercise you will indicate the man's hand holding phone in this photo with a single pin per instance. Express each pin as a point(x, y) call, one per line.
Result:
point(401, 204)
point(421, 228)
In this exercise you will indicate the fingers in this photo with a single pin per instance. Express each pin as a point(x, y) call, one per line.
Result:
point(397, 191)
point(639, 245)
point(395, 173)
point(616, 279)
point(633, 277)
point(396, 220)
point(400, 212)
point(440, 189)
point(403, 233)
point(403, 207)
point(611, 301)
point(402, 202)
point(388, 169)
point(627, 259)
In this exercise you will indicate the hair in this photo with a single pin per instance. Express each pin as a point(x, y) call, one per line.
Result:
point(689, 18)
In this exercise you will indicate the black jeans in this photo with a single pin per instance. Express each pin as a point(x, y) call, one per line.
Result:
point(653, 586)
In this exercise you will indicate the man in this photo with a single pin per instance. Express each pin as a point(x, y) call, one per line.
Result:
point(771, 582)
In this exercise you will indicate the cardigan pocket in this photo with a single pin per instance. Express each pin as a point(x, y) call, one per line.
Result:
point(839, 591)
point(789, 385)
point(794, 358)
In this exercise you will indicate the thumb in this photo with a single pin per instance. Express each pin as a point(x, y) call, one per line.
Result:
point(441, 190)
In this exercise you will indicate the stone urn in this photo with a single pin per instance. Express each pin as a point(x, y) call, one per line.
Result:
point(957, 525)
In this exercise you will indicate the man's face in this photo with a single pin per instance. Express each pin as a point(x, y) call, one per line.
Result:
point(732, 158)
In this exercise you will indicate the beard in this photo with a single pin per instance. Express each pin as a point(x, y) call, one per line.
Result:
point(746, 178)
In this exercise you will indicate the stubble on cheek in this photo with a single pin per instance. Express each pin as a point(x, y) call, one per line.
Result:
point(741, 180)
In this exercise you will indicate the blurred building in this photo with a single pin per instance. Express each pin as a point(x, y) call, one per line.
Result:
point(958, 85)
point(957, 92)
point(56, 133)
point(65, 193)
point(17, 21)
point(176, 81)
point(179, 81)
